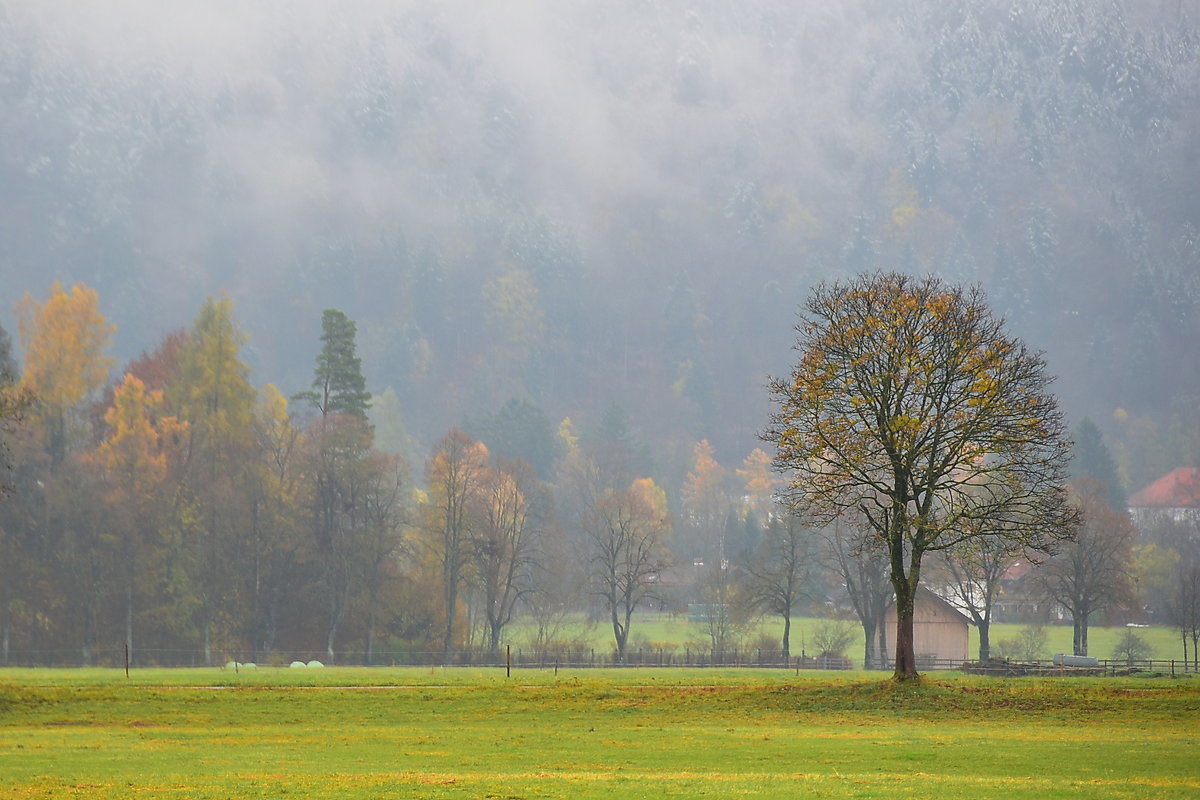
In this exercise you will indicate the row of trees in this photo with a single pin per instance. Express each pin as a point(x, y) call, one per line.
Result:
point(179, 508)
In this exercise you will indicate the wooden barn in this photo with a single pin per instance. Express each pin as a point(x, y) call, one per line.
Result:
point(940, 631)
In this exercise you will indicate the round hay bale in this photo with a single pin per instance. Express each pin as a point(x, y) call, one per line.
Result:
point(314, 663)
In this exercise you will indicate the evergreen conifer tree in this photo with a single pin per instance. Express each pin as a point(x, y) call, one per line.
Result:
point(1093, 460)
point(338, 383)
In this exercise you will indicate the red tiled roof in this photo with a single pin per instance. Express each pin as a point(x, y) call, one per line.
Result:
point(1177, 489)
point(1017, 570)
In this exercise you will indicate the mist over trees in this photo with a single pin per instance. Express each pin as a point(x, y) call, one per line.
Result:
point(577, 232)
point(586, 203)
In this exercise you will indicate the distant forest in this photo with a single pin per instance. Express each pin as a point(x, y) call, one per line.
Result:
point(585, 204)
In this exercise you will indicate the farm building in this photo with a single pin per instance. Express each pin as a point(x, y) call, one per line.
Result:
point(1174, 496)
point(940, 631)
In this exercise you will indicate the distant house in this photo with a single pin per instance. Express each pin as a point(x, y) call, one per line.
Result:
point(1175, 496)
point(940, 631)
point(1018, 600)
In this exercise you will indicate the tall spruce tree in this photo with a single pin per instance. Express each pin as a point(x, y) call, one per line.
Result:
point(1093, 460)
point(341, 440)
point(338, 383)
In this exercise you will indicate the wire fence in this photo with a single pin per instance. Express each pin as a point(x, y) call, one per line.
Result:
point(516, 657)
point(1103, 667)
point(513, 657)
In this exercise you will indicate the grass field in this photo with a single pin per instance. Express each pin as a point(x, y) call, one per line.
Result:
point(674, 632)
point(366, 733)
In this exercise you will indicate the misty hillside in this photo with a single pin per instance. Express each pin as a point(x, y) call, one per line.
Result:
point(586, 203)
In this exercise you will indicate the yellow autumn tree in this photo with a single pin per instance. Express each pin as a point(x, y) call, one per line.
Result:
point(568, 437)
point(503, 541)
point(912, 406)
point(213, 394)
point(65, 340)
point(760, 483)
point(454, 478)
point(135, 453)
point(704, 503)
point(134, 461)
point(703, 493)
point(279, 498)
point(626, 533)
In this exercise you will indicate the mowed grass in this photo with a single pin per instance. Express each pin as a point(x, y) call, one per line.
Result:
point(345, 733)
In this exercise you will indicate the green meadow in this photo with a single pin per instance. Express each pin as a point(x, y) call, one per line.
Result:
point(675, 633)
point(367, 733)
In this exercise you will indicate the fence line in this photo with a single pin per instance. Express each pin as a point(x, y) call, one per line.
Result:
point(565, 658)
point(1107, 667)
point(516, 657)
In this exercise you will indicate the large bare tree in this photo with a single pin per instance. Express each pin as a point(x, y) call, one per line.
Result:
point(625, 533)
point(453, 476)
point(504, 540)
point(855, 555)
point(1185, 607)
point(913, 405)
point(780, 565)
point(971, 575)
point(1094, 571)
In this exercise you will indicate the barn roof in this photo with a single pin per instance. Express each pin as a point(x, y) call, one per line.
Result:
point(927, 596)
point(933, 597)
point(1179, 488)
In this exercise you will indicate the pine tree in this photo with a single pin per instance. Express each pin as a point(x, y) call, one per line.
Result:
point(338, 383)
point(1093, 460)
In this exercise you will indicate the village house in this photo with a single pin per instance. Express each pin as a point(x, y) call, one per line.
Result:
point(1174, 497)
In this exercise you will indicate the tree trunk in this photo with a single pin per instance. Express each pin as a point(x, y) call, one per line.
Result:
point(129, 617)
point(870, 656)
point(89, 635)
point(787, 636)
point(1079, 635)
point(620, 637)
point(329, 642)
point(906, 657)
point(371, 631)
point(985, 645)
point(495, 628)
point(451, 602)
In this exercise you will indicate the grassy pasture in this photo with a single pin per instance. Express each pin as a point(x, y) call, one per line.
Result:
point(673, 632)
point(345, 733)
